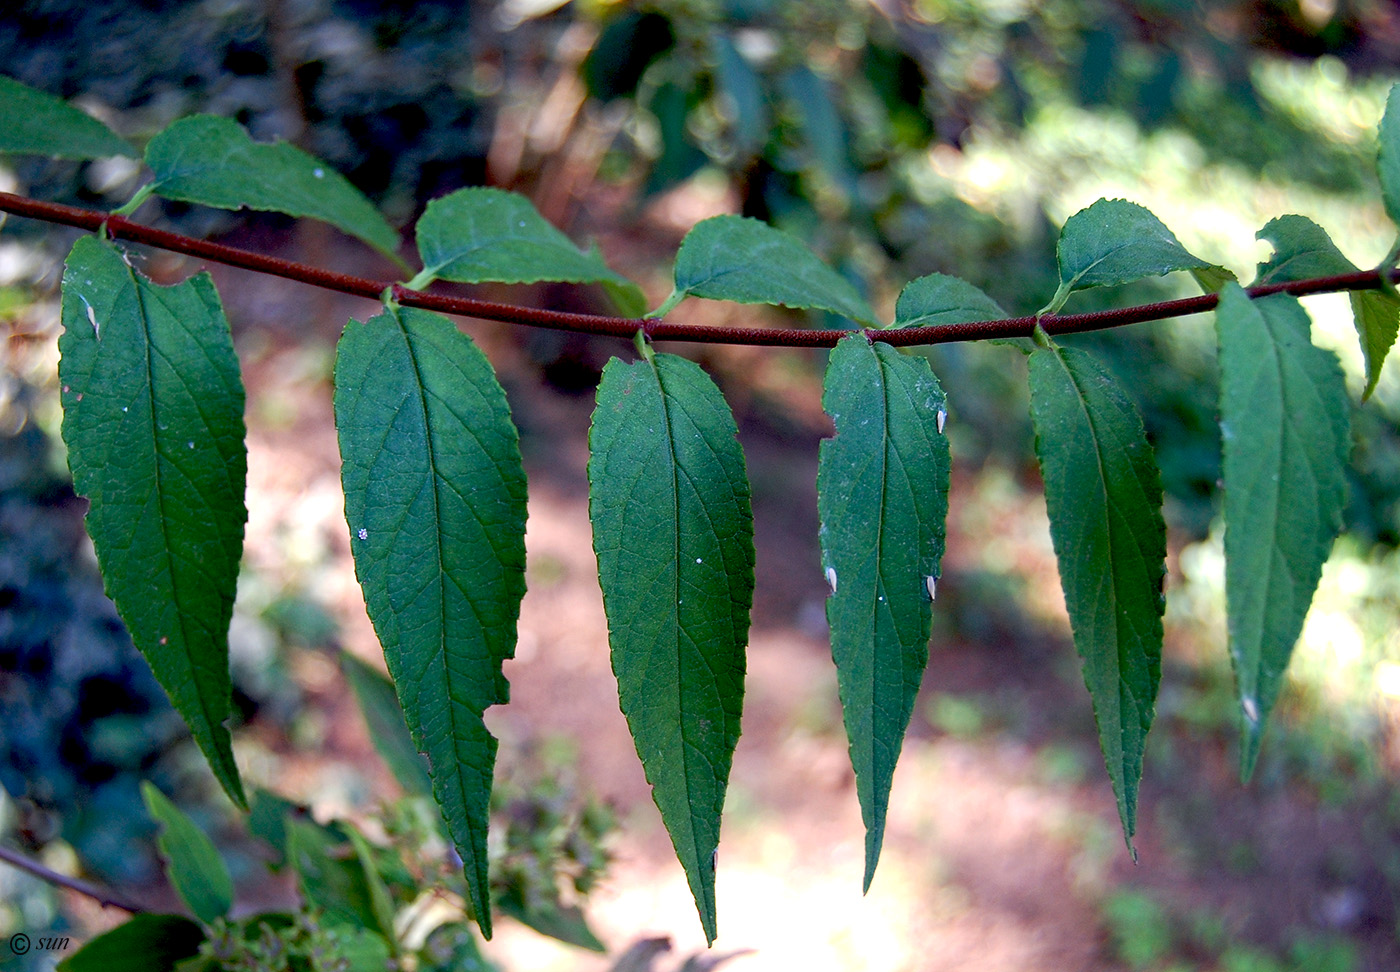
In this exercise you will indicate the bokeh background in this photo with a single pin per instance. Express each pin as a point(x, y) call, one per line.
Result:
point(897, 138)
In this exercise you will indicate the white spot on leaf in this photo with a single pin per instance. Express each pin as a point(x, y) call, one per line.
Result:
point(363, 534)
point(831, 579)
point(319, 173)
point(931, 585)
point(1251, 709)
point(942, 419)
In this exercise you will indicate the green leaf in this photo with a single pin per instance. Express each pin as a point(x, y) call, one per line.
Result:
point(142, 943)
point(435, 501)
point(479, 235)
point(1302, 249)
point(939, 299)
point(673, 531)
point(267, 821)
point(35, 123)
point(212, 161)
point(882, 493)
point(331, 876)
point(743, 260)
point(1104, 496)
point(1388, 156)
point(192, 862)
point(388, 730)
point(552, 918)
point(381, 904)
point(1116, 242)
point(1284, 423)
point(742, 102)
point(153, 421)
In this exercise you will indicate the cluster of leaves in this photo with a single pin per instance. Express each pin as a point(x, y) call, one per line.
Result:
point(435, 492)
point(365, 905)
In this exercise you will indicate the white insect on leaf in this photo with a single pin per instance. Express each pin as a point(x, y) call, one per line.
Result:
point(831, 579)
point(363, 534)
point(931, 585)
point(942, 419)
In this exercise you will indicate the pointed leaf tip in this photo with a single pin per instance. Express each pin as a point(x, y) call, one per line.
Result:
point(673, 533)
point(882, 496)
point(1104, 496)
point(153, 421)
point(435, 502)
point(1284, 423)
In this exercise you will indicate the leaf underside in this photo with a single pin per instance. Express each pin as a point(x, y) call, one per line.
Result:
point(882, 494)
point(435, 502)
point(35, 123)
point(1104, 496)
point(1284, 423)
point(749, 262)
point(213, 161)
point(153, 421)
point(673, 532)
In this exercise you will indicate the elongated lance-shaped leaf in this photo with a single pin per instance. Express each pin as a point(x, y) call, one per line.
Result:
point(673, 531)
point(1302, 249)
point(882, 493)
point(153, 420)
point(740, 259)
point(435, 501)
point(213, 161)
point(34, 122)
point(192, 862)
point(1388, 155)
point(1104, 496)
point(478, 235)
point(1116, 242)
point(1284, 423)
point(388, 730)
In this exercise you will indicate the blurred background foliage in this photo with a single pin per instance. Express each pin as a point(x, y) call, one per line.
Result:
point(897, 138)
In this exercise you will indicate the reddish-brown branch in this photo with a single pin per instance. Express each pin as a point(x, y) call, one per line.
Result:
point(103, 897)
point(622, 327)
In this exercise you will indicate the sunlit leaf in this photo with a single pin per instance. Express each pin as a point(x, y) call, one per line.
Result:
point(435, 501)
point(153, 421)
point(1284, 422)
point(192, 862)
point(940, 299)
point(1388, 155)
point(744, 260)
point(673, 532)
point(481, 234)
point(882, 494)
point(1116, 242)
point(1302, 249)
point(1104, 496)
point(33, 122)
point(212, 161)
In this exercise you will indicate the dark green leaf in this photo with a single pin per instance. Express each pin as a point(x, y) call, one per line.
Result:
point(35, 123)
point(192, 862)
point(827, 137)
point(388, 730)
point(1104, 496)
point(479, 235)
point(142, 943)
point(435, 501)
point(939, 299)
point(267, 821)
point(381, 905)
point(1284, 423)
point(882, 493)
point(1116, 242)
point(153, 420)
point(673, 531)
point(212, 161)
point(362, 949)
point(1388, 157)
point(1302, 249)
point(743, 260)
